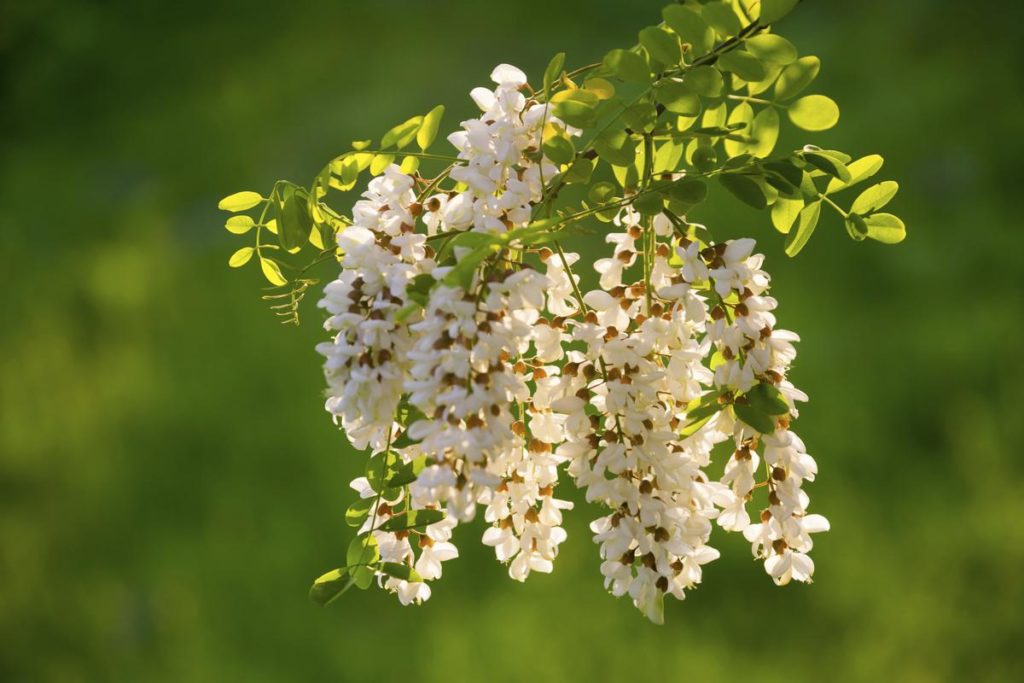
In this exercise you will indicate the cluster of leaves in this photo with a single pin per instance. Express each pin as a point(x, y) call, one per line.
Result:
point(700, 97)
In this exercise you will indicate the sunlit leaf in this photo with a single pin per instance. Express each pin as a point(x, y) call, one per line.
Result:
point(875, 197)
point(806, 223)
point(886, 228)
point(241, 257)
point(770, 47)
point(678, 98)
point(661, 45)
point(553, 71)
point(722, 18)
point(773, 10)
point(272, 272)
point(239, 224)
point(329, 586)
point(629, 66)
point(689, 26)
point(785, 212)
point(796, 77)
point(402, 134)
point(240, 201)
point(428, 129)
point(743, 64)
point(814, 113)
point(860, 170)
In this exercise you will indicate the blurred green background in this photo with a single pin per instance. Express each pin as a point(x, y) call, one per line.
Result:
point(169, 484)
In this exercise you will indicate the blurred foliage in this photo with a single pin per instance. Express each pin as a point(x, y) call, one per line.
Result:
point(169, 483)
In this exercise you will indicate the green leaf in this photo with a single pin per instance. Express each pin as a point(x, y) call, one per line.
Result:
point(552, 72)
point(741, 118)
point(661, 45)
point(686, 194)
point(860, 170)
point(462, 274)
point(766, 398)
point(689, 26)
point(856, 227)
point(678, 98)
point(358, 511)
point(641, 117)
point(418, 289)
point(579, 171)
point(404, 474)
point(772, 48)
point(745, 188)
point(401, 571)
point(402, 134)
point(414, 519)
point(765, 131)
point(575, 107)
point(362, 550)
point(886, 228)
point(381, 162)
point(827, 164)
point(787, 171)
point(602, 87)
point(428, 129)
point(616, 147)
point(328, 587)
point(785, 212)
point(272, 272)
point(240, 201)
point(722, 18)
point(773, 10)
point(648, 204)
point(875, 197)
point(559, 149)
point(241, 257)
point(667, 156)
point(814, 113)
point(796, 77)
point(808, 220)
point(760, 421)
point(705, 80)
point(629, 66)
point(743, 64)
point(293, 219)
point(239, 225)
point(602, 192)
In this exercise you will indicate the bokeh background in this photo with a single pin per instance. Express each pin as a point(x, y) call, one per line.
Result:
point(169, 484)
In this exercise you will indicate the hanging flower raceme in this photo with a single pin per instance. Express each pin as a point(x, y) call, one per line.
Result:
point(484, 367)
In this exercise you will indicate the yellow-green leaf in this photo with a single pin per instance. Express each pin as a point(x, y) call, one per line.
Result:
point(860, 170)
point(773, 10)
point(272, 272)
point(886, 228)
point(240, 201)
point(765, 131)
point(239, 224)
point(796, 77)
point(402, 134)
point(381, 162)
point(875, 197)
point(785, 212)
point(808, 220)
point(690, 27)
point(241, 257)
point(772, 48)
point(814, 113)
point(428, 129)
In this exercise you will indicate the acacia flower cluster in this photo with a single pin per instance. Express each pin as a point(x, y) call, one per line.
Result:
point(485, 366)
point(515, 379)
